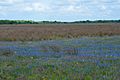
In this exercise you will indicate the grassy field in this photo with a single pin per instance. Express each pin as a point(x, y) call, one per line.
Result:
point(60, 51)
point(32, 32)
point(86, 58)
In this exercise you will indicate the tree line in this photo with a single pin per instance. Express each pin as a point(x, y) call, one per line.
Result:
point(54, 22)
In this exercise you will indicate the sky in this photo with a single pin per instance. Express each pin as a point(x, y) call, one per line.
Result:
point(60, 10)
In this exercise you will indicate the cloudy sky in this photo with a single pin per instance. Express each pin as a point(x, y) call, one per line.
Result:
point(61, 10)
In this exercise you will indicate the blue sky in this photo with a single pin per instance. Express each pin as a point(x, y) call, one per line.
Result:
point(60, 10)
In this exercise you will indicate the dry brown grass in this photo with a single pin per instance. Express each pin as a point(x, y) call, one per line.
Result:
point(30, 32)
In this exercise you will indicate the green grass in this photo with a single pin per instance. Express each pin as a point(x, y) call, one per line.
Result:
point(67, 66)
point(38, 68)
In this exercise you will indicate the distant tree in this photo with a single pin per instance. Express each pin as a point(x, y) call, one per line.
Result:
point(54, 22)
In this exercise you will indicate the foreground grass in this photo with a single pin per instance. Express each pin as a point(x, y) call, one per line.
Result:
point(95, 58)
point(52, 68)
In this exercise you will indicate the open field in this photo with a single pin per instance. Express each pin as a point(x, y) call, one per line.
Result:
point(87, 58)
point(60, 51)
point(30, 32)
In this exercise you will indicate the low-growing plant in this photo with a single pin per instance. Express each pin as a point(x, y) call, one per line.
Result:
point(71, 51)
point(7, 53)
point(55, 48)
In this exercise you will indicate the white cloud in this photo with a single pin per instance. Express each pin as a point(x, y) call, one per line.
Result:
point(40, 7)
point(2, 11)
point(73, 1)
point(28, 8)
point(9, 1)
point(77, 7)
point(37, 7)
point(73, 8)
point(11, 6)
point(103, 7)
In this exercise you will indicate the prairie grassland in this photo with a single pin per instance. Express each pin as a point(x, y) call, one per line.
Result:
point(94, 56)
point(31, 32)
point(87, 58)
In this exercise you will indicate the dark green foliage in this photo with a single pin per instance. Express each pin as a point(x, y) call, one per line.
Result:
point(88, 78)
point(17, 22)
point(54, 22)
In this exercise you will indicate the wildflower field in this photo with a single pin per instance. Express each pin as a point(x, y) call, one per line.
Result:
point(84, 58)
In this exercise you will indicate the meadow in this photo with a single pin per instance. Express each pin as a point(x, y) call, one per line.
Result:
point(38, 32)
point(60, 52)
